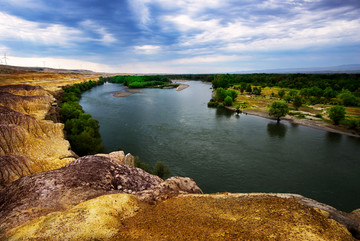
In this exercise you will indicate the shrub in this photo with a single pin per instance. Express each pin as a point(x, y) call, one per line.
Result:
point(348, 98)
point(337, 113)
point(228, 101)
point(281, 93)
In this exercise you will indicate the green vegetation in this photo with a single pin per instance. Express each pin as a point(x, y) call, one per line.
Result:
point(297, 103)
point(281, 93)
point(313, 93)
point(141, 81)
point(160, 169)
point(278, 109)
point(228, 101)
point(82, 131)
point(223, 97)
point(337, 113)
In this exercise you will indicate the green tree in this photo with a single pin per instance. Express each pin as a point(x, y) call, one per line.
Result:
point(228, 101)
point(278, 109)
point(329, 93)
point(243, 87)
point(348, 98)
point(248, 89)
point(297, 102)
point(337, 113)
point(221, 81)
point(220, 94)
point(281, 93)
point(161, 170)
point(288, 98)
point(232, 93)
point(293, 93)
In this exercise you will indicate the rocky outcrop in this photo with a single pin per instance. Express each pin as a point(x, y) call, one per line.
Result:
point(186, 217)
point(88, 177)
point(40, 142)
point(25, 90)
point(120, 158)
point(28, 143)
point(35, 106)
point(95, 219)
point(15, 167)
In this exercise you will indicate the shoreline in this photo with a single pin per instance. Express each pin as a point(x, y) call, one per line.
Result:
point(320, 125)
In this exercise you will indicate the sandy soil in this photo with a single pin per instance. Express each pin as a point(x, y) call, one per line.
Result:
point(122, 94)
point(211, 217)
point(126, 93)
point(182, 87)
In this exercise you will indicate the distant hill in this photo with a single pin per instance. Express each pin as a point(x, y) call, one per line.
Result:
point(8, 69)
point(353, 68)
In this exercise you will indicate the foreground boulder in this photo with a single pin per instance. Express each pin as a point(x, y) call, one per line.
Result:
point(88, 177)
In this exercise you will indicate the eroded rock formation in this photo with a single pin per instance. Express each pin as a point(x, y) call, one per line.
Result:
point(85, 178)
point(28, 143)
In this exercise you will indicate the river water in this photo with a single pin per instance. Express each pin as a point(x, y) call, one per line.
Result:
point(223, 152)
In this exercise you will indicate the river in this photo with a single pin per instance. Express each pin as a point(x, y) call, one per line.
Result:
point(224, 152)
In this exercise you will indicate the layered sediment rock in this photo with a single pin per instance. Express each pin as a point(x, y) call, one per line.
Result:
point(24, 133)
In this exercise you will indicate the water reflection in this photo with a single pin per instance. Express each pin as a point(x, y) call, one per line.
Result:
point(335, 137)
point(275, 129)
point(224, 112)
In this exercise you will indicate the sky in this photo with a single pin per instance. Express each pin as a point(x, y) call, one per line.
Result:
point(181, 36)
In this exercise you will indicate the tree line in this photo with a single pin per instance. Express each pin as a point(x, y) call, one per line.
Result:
point(140, 81)
point(82, 131)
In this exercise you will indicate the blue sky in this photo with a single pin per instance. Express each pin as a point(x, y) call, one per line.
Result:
point(182, 36)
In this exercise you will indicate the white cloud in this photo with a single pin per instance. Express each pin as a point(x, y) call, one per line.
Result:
point(62, 63)
point(106, 38)
point(147, 49)
point(24, 3)
point(303, 30)
point(15, 28)
point(140, 10)
point(199, 60)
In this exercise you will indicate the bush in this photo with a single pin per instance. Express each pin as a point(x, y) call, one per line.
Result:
point(281, 93)
point(228, 101)
point(319, 116)
point(212, 104)
point(160, 169)
point(348, 98)
point(337, 113)
point(297, 102)
point(220, 94)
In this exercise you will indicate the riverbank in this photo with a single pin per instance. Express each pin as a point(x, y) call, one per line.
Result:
point(316, 124)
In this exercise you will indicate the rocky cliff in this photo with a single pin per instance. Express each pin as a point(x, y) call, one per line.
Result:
point(47, 193)
point(28, 143)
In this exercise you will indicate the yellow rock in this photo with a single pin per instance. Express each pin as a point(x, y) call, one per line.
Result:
point(95, 219)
